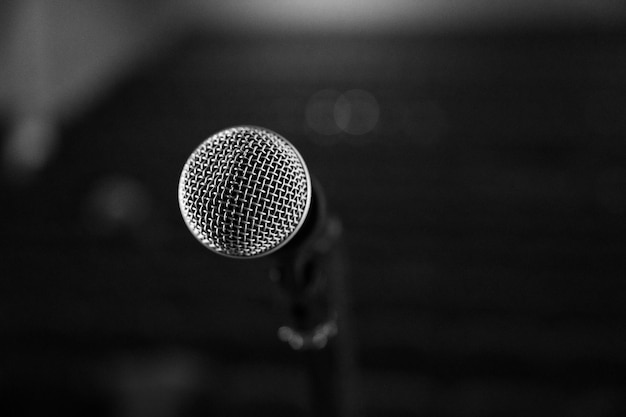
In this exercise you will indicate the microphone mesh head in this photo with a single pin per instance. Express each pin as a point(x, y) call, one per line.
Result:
point(244, 192)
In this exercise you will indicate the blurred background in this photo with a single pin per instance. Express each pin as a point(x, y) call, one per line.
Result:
point(474, 150)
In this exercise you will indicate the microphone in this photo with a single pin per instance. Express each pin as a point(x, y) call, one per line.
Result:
point(245, 192)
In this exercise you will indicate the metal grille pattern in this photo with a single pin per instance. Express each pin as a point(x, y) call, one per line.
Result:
point(244, 192)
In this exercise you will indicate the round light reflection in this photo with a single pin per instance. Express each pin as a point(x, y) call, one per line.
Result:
point(356, 112)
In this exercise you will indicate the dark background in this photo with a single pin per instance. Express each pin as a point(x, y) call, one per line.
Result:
point(484, 216)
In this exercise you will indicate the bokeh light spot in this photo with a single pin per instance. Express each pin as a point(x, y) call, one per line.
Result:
point(356, 112)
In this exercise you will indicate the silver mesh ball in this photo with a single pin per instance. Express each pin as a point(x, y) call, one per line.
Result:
point(244, 192)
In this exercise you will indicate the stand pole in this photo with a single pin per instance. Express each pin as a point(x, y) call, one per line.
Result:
point(314, 278)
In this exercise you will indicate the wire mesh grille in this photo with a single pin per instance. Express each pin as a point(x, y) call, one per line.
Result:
point(244, 192)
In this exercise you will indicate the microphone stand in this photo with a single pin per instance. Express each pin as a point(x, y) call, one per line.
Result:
point(311, 270)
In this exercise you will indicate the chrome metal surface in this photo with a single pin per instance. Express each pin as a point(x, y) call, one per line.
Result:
point(244, 192)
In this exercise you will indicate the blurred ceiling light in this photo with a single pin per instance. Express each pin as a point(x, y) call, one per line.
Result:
point(31, 144)
point(399, 15)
